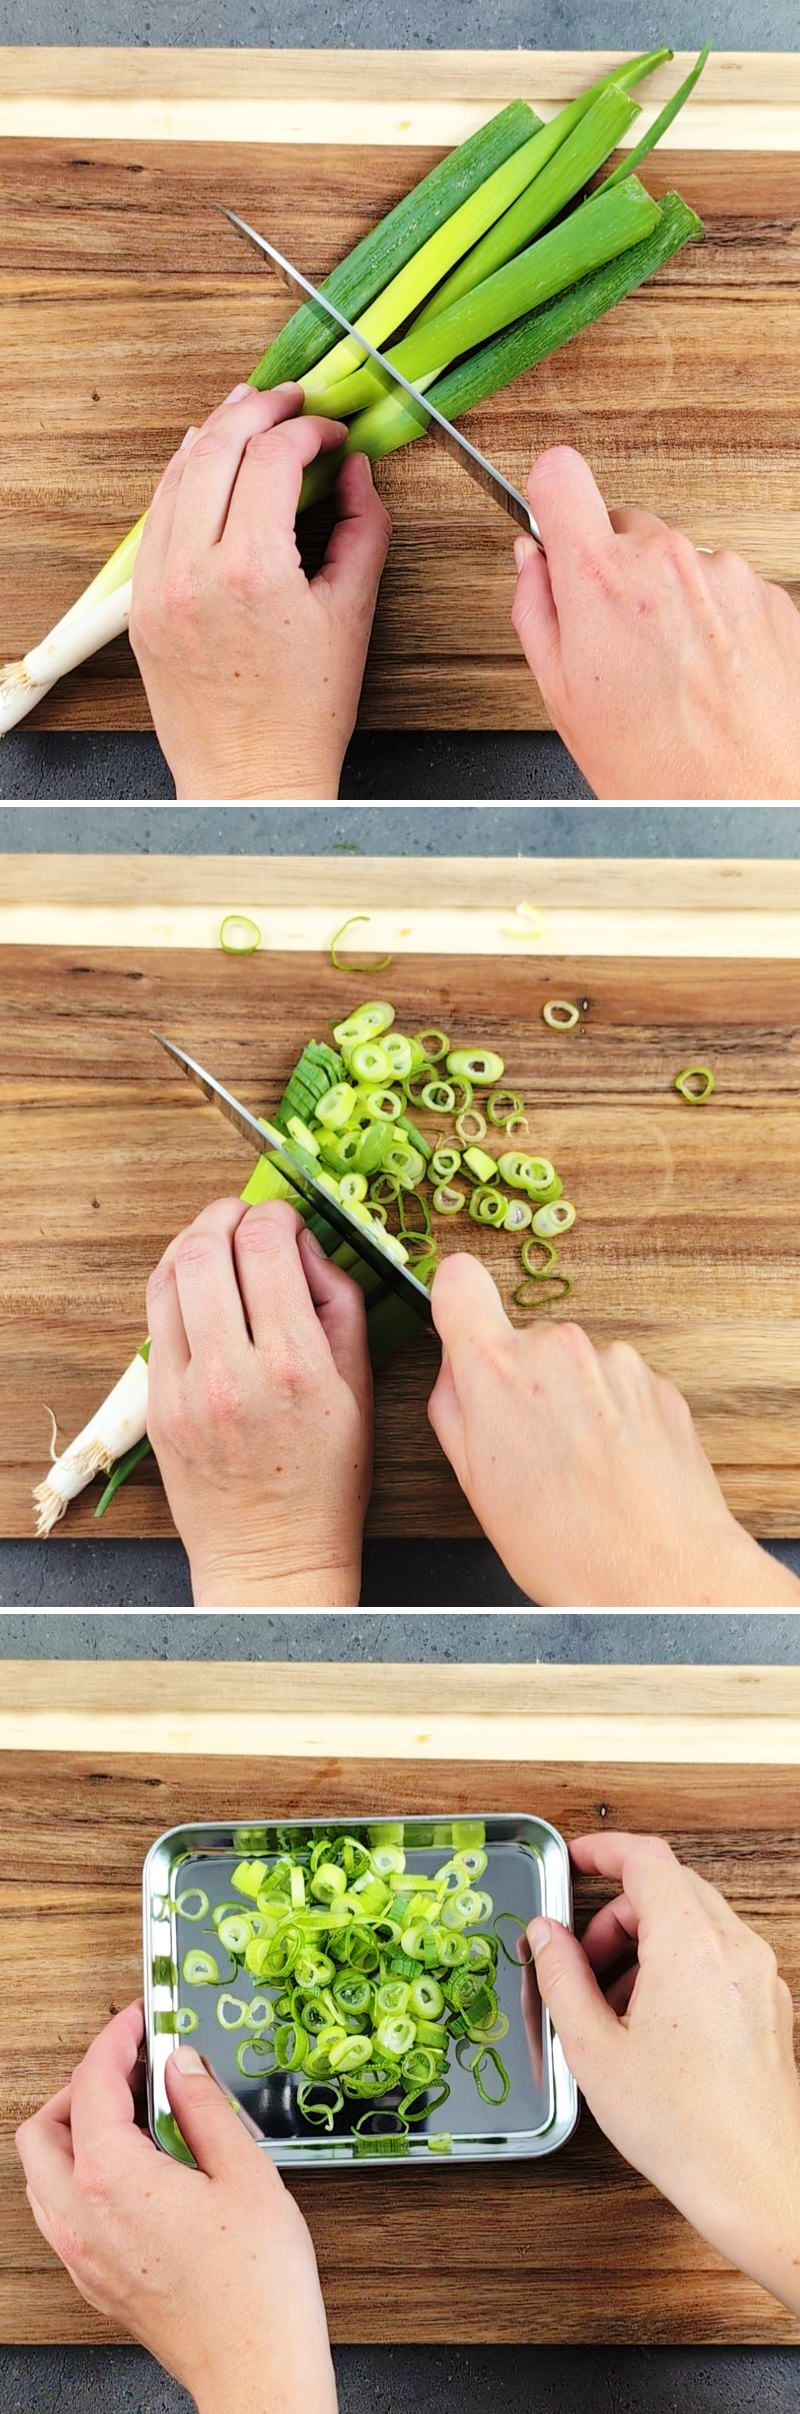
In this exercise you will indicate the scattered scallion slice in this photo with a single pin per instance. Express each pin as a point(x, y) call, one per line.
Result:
point(239, 935)
point(560, 1014)
point(352, 964)
point(685, 1083)
point(558, 1216)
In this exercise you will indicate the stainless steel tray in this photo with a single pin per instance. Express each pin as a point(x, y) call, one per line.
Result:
point(528, 1873)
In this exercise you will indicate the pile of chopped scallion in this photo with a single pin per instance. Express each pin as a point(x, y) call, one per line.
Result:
point(357, 1976)
point(349, 1113)
point(503, 253)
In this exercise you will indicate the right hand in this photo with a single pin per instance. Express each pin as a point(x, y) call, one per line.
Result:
point(678, 2029)
point(260, 1409)
point(668, 672)
point(584, 1468)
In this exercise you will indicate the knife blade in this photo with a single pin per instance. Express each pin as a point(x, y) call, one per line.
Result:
point(486, 476)
point(396, 1277)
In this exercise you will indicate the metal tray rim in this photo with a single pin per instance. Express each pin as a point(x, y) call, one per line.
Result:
point(566, 2100)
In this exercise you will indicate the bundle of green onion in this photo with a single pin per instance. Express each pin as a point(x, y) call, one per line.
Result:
point(350, 1113)
point(501, 255)
point(356, 1976)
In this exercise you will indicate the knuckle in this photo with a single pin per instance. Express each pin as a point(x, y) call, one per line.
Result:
point(178, 596)
point(159, 1278)
point(678, 550)
point(69, 2243)
point(244, 574)
point(291, 1371)
point(222, 1398)
point(91, 2180)
point(193, 1247)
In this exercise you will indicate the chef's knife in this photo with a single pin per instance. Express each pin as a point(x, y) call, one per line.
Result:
point(490, 480)
point(267, 1143)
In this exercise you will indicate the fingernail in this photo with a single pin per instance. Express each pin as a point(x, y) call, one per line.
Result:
point(539, 1934)
point(524, 549)
point(236, 394)
point(189, 2061)
point(312, 1242)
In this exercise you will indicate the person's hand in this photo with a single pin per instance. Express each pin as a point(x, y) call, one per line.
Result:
point(584, 1468)
point(667, 672)
point(253, 672)
point(260, 1409)
point(212, 2270)
point(678, 2029)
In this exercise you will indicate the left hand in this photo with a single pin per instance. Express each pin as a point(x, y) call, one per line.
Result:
point(212, 2270)
point(260, 1409)
point(253, 672)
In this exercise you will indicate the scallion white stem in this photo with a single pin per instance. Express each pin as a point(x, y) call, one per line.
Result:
point(72, 641)
point(118, 1423)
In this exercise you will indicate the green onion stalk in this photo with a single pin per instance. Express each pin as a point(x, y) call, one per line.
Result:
point(459, 255)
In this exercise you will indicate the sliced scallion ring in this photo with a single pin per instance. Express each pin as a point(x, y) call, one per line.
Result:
point(538, 1289)
point(534, 1240)
point(471, 1115)
point(560, 1014)
point(557, 1216)
point(195, 1895)
point(376, 963)
point(503, 1108)
point(684, 1083)
point(448, 1201)
point(239, 935)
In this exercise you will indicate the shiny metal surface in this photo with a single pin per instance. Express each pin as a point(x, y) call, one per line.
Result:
point(528, 1872)
point(491, 480)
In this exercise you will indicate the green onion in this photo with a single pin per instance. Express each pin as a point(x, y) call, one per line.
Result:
point(122, 1468)
point(481, 1164)
point(387, 425)
point(503, 1108)
point(472, 1116)
point(576, 160)
point(648, 141)
point(239, 936)
point(192, 1894)
point(387, 247)
point(448, 1201)
point(560, 1013)
point(559, 1216)
point(685, 1083)
point(424, 272)
point(532, 1292)
point(377, 963)
point(598, 231)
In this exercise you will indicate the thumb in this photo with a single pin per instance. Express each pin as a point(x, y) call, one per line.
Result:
point(533, 614)
point(214, 2132)
point(467, 1310)
point(584, 2023)
point(356, 554)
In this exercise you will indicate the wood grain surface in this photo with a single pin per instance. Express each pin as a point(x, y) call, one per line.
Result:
point(117, 270)
point(440, 905)
point(686, 1242)
point(576, 2248)
point(307, 1709)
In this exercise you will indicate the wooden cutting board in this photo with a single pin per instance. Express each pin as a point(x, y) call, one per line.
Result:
point(686, 1241)
point(576, 2248)
point(126, 296)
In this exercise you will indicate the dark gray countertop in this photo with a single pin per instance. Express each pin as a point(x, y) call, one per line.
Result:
point(406, 764)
